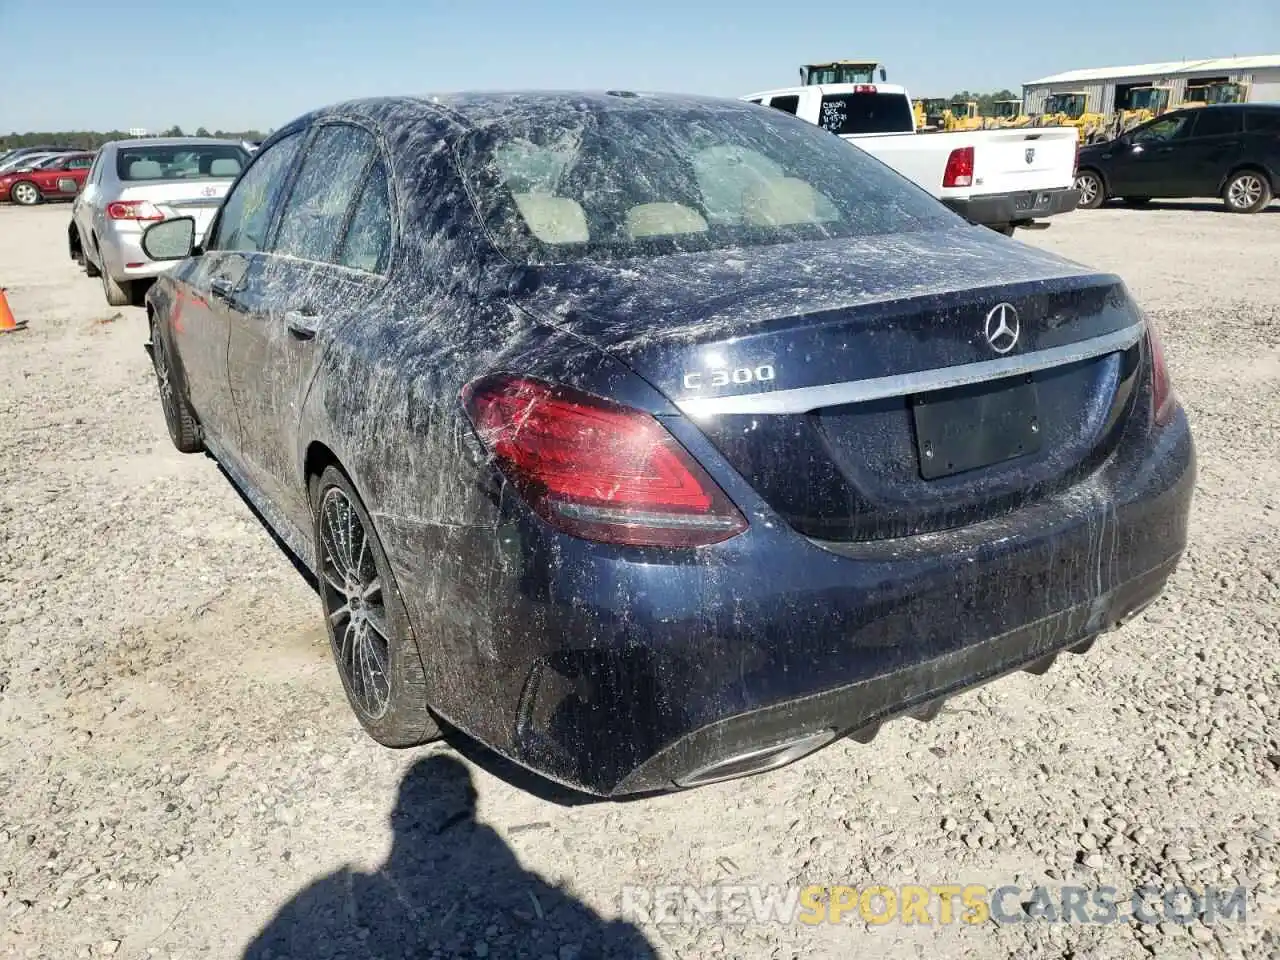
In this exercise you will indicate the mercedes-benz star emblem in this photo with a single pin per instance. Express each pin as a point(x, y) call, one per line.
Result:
point(1002, 328)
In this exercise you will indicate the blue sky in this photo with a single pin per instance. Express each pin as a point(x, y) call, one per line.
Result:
point(77, 64)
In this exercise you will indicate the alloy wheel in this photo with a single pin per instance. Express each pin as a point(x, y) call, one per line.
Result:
point(1244, 191)
point(1088, 186)
point(25, 194)
point(354, 603)
point(160, 361)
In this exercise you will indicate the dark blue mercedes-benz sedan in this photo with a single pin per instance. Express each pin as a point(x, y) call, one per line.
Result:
point(658, 440)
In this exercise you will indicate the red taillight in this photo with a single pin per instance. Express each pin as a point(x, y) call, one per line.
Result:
point(1163, 401)
point(596, 469)
point(864, 88)
point(959, 172)
point(133, 210)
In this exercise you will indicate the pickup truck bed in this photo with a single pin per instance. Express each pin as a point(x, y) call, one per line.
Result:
point(999, 178)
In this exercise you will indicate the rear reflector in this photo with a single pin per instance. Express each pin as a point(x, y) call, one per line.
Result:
point(959, 172)
point(598, 470)
point(1163, 401)
point(133, 210)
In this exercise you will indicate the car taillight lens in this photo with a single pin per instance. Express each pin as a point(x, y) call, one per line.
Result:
point(959, 172)
point(133, 210)
point(598, 470)
point(1163, 401)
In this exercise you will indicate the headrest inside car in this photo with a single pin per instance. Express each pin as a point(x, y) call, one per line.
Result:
point(663, 219)
point(779, 202)
point(553, 219)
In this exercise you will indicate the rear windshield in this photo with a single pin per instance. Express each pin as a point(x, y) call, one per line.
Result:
point(853, 113)
point(203, 162)
point(572, 181)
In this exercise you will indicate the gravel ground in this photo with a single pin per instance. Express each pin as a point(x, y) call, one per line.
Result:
point(179, 768)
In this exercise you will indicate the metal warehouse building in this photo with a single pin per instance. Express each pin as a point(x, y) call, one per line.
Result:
point(1108, 85)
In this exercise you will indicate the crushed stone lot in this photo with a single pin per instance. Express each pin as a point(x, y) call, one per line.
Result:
point(179, 769)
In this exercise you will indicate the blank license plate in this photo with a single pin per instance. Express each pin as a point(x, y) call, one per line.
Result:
point(970, 427)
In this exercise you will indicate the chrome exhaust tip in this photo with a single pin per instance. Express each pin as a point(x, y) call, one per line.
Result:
point(759, 760)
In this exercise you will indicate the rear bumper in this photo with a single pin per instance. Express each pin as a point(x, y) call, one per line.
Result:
point(621, 672)
point(1012, 208)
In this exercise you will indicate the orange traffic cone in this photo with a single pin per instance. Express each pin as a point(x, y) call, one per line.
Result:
point(7, 323)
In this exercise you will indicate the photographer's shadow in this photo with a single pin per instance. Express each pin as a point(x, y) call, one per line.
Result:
point(448, 884)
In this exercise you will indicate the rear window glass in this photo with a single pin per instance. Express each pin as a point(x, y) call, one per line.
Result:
point(785, 104)
point(570, 182)
point(852, 113)
point(203, 162)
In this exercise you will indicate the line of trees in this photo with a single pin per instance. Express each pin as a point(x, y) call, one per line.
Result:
point(985, 100)
point(92, 139)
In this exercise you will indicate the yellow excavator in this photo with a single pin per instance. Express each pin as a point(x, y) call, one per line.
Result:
point(842, 71)
point(1072, 110)
point(1006, 113)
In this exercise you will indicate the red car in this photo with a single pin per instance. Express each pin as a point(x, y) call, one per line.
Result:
point(60, 179)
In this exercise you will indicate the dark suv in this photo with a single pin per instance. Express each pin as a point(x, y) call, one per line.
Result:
point(1230, 151)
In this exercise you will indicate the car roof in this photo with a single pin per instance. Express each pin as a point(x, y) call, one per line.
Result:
point(170, 142)
point(480, 109)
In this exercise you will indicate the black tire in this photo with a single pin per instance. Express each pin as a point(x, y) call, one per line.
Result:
point(1246, 191)
point(184, 429)
point(25, 193)
point(118, 294)
point(1004, 228)
point(1135, 201)
point(90, 268)
point(369, 633)
point(1093, 191)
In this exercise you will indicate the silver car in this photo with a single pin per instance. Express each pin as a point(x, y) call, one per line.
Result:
point(134, 183)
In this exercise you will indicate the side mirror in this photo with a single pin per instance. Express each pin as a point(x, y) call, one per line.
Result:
point(883, 76)
point(170, 239)
point(68, 185)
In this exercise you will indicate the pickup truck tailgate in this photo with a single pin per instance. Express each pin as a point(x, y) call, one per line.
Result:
point(1040, 158)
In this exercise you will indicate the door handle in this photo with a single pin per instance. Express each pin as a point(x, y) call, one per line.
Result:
point(301, 324)
point(222, 289)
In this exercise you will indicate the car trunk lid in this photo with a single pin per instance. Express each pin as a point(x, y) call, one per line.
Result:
point(195, 198)
point(865, 388)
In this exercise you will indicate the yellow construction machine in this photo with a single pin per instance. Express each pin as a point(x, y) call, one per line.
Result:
point(1141, 104)
point(963, 115)
point(1219, 92)
point(1006, 113)
point(935, 113)
point(842, 71)
point(1072, 110)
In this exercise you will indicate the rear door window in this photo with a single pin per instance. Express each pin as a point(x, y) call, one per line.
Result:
point(854, 113)
point(197, 162)
point(1212, 122)
point(328, 181)
point(785, 104)
point(367, 245)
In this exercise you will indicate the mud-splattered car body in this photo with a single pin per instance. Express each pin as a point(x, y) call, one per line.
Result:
point(812, 384)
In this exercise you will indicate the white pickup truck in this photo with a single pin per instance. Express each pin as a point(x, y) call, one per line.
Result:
point(1002, 179)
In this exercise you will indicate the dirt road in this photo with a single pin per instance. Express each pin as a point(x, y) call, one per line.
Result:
point(177, 762)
